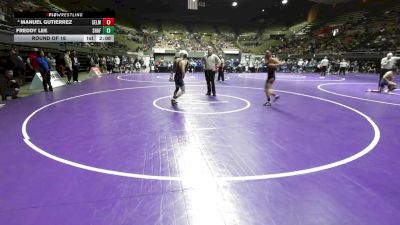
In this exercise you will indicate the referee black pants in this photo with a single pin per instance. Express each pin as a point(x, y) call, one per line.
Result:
point(342, 70)
point(323, 70)
point(210, 79)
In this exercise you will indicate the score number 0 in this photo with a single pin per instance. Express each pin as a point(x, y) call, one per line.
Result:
point(108, 21)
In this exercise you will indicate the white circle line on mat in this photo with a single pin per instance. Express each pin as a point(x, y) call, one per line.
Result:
point(286, 79)
point(320, 87)
point(248, 104)
point(341, 162)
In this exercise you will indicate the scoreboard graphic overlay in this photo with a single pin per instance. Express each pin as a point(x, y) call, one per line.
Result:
point(64, 26)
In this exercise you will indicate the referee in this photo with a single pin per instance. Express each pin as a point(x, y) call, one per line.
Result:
point(211, 62)
point(387, 64)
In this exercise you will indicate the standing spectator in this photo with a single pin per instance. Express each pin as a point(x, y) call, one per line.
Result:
point(237, 66)
point(192, 64)
point(312, 65)
point(90, 62)
point(251, 65)
point(44, 69)
point(124, 61)
point(257, 65)
point(68, 65)
point(132, 62)
point(221, 70)
point(300, 66)
point(75, 67)
point(141, 61)
point(355, 67)
point(117, 61)
point(100, 63)
point(18, 66)
point(60, 64)
point(211, 63)
point(305, 65)
point(32, 63)
point(323, 65)
point(109, 62)
point(171, 68)
point(152, 67)
point(52, 61)
point(343, 67)
point(103, 63)
point(96, 61)
point(138, 66)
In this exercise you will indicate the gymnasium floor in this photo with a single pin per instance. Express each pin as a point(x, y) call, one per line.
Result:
point(112, 150)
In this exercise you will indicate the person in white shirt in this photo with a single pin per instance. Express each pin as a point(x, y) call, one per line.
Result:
point(117, 61)
point(355, 66)
point(138, 66)
point(300, 66)
point(52, 62)
point(323, 65)
point(342, 67)
point(251, 66)
point(257, 65)
point(172, 69)
point(221, 76)
point(305, 65)
point(388, 64)
point(211, 62)
point(68, 65)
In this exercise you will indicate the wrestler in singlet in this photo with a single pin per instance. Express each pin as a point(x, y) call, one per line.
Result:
point(179, 75)
point(271, 64)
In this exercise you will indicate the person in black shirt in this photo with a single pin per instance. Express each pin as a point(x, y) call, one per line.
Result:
point(17, 65)
point(75, 67)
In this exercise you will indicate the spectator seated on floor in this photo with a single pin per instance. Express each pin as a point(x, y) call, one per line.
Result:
point(8, 86)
